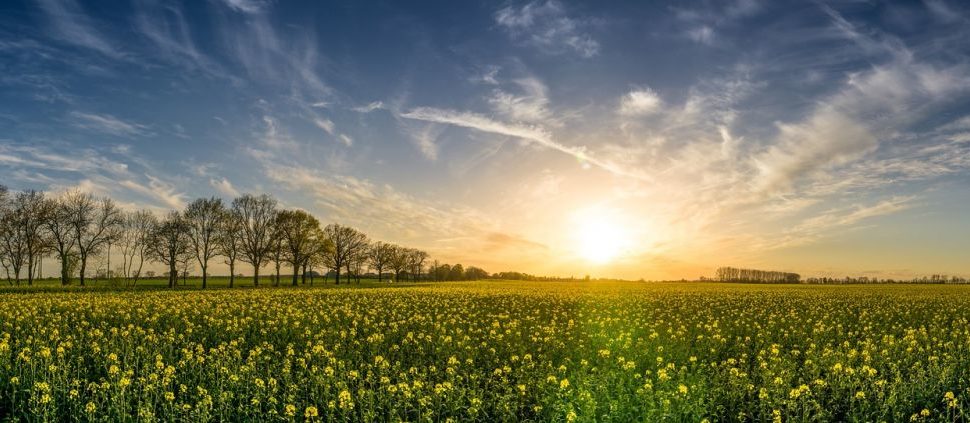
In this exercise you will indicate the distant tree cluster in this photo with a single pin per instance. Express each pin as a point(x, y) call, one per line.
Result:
point(446, 272)
point(733, 274)
point(848, 280)
point(74, 227)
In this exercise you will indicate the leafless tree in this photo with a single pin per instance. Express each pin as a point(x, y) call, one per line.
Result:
point(28, 209)
point(398, 261)
point(12, 251)
point(321, 250)
point(93, 221)
point(134, 238)
point(297, 229)
point(202, 223)
point(415, 262)
point(347, 242)
point(169, 243)
point(380, 256)
point(61, 233)
point(258, 214)
point(229, 241)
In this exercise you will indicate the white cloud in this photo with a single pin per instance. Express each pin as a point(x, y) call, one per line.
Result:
point(828, 138)
point(535, 134)
point(108, 124)
point(640, 102)
point(248, 6)
point(370, 107)
point(157, 190)
point(532, 105)
point(346, 140)
point(224, 187)
point(325, 124)
point(71, 25)
point(166, 27)
point(545, 25)
point(702, 34)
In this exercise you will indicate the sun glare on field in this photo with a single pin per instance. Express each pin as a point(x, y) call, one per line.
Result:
point(601, 239)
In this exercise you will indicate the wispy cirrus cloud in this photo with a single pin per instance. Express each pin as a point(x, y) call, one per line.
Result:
point(108, 124)
point(248, 6)
point(534, 134)
point(546, 25)
point(70, 24)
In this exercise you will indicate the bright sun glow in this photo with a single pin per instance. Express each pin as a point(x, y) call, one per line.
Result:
point(601, 240)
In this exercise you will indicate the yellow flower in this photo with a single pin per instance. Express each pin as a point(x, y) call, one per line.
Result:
point(289, 410)
point(310, 412)
point(564, 384)
point(682, 389)
point(90, 408)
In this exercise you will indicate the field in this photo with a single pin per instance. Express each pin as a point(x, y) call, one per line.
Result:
point(488, 351)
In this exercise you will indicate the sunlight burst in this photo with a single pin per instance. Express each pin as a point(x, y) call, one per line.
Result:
point(601, 239)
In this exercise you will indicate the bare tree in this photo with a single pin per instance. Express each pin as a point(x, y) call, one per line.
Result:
point(398, 261)
point(358, 262)
point(415, 262)
point(202, 223)
point(297, 229)
point(229, 241)
point(28, 209)
point(12, 251)
point(61, 233)
point(347, 242)
point(169, 243)
point(93, 221)
point(136, 230)
point(5, 232)
point(258, 214)
point(321, 249)
point(380, 256)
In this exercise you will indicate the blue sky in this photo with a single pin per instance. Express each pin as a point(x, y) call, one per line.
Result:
point(827, 138)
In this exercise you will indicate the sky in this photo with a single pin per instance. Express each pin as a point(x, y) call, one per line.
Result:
point(825, 138)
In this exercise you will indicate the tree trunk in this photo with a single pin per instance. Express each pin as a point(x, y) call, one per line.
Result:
point(338, 272)
point(380, 275)
point(84, 265)
point(255, 276)
point(303, 275)
point(276, 282)
point(64, 278)
point(204, 275)
point(296, 268)
point(172, 274)
point(30, 270)
point(232, 273)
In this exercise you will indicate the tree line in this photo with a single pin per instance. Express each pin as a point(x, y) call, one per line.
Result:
point(733, 274)
point(74, 227)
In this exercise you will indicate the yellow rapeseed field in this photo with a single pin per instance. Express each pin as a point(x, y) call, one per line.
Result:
point(489, 351)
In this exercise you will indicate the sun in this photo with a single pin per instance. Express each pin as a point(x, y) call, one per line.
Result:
point(600, 239)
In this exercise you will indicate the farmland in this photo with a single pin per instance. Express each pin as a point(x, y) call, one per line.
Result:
point(488, 351)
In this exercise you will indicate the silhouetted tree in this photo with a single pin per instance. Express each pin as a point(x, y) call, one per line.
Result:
point(169, 243)
point(258, 213)
point(229, 240)
point(297, 230)
point(347, 242)
point(93, 221)
point(136, 229)
point(61, 234)
point(202, 218)
point(379, 256)
point(473, 273)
